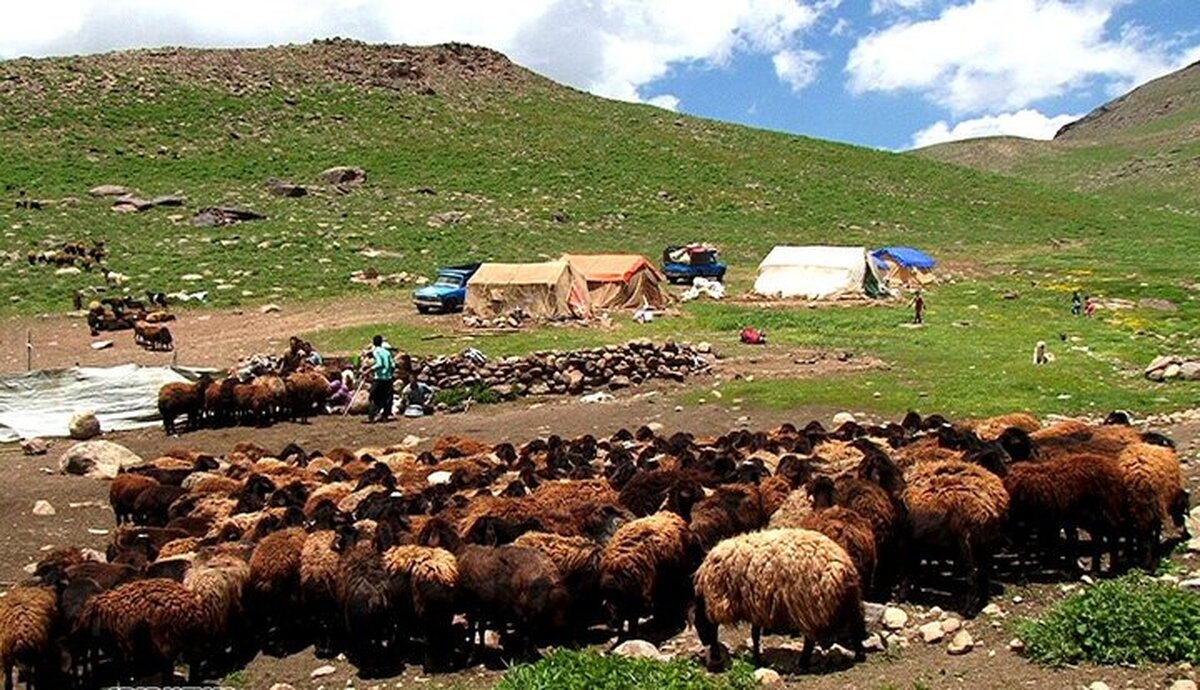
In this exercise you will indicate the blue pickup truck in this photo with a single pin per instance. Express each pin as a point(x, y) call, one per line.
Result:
point(447, 292)
point(682, 264)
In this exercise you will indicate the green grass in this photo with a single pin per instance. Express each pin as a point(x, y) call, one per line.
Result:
point(589, 670)
point(1130, 620)
point(630, 178)
point(478, 393)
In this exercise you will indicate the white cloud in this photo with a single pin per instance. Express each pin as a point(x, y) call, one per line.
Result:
point(665, 101)
point(609, 47)
point(990, 55)
point(797, 68)
point(1028, 123)
point(881, 6)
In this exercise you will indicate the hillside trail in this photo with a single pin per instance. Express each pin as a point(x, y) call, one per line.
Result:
point(208, 338)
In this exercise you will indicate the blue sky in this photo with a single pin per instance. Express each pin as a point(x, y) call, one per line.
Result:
point(883, 73)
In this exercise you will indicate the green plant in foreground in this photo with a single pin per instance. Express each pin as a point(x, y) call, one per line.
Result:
point(1130, 620)
point(589, 670)
point(479, 393)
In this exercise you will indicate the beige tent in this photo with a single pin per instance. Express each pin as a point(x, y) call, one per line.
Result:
point(619, 281)
point(544, 291)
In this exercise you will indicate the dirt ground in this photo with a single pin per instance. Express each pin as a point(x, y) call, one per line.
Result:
point(84, 518)
point(215, 338)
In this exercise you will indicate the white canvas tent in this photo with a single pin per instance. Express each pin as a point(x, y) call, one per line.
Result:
point(41, 403)
point(817, 273)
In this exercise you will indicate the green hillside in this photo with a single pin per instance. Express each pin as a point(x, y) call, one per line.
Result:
point(537, 169)
point(1143, 147)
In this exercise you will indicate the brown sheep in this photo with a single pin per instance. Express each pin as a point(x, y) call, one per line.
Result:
point(789, 580)
point(183, 399)
point(124, 491)
point(578, 562)
point(647, 567)
point(1155, 494)
point(307, 392)
point(28, 617)
point(848, 529)
point(274, 585)
point(960, 508)
point(989, 429)
point(426, 582)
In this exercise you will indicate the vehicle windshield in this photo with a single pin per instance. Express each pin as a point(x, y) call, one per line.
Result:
point(448, 281)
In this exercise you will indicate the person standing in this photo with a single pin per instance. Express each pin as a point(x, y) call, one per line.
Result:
point(919, 308)
point(383, 369)
point(1076, 304)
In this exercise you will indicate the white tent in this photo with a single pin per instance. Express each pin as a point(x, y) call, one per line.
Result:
point(41, 403)
point(817, 273)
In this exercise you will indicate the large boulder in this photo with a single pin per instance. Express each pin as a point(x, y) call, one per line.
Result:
point(84, 426)
point(360, 403)
point(97, 459)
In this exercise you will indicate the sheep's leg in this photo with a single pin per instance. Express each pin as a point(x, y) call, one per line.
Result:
point(756, 642)
point(976, 580)
point(8, 677)
point(807, 652)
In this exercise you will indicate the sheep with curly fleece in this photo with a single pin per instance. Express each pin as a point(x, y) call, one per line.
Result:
point(273, 589)
point(28, 617)
point(425, 581)
point(847, 528)
point(646, 568)
point(960, 509)
point(148, 624)
point(788, 580)
point(578, 562)
point(990, 428)
point(123, 492)
point(219, 581)
point(320, 567)
point(178, 399)
point(1154, 494)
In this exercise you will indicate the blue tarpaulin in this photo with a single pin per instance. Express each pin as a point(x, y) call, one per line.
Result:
point(904, 256)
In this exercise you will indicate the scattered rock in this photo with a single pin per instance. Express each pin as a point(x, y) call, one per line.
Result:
point(961, 643)
point(322, 671)
point(1098, 685)
point(894, 618)
point(285, 189)
point(283, 686)
point(767, 676)
point(1191, 583)
point(1183, 684)
point(109, 190)
point(84, 426)
point(97, 459)
point(441, 220)
point(35, 446)
point(43, 509)
point(101, 344)
point(842, 418)
point(619, 382)
point(874, 643)
point(1016, 645)
point(215, 216)
point(343, 175)
point(270, 309)
point(636, 649)
point(67, 271)
point(932, 632)
point(993, 609)
point(951, 625)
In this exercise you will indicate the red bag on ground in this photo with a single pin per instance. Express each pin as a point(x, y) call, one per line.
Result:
point(753, 336)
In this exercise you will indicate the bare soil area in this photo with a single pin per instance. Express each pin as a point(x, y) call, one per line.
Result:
point(215, 338)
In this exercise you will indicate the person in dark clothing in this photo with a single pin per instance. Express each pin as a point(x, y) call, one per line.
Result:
point(383, 368)
point(919, 308)
point(1076, 304)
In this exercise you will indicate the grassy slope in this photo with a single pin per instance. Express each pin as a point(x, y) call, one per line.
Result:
point(631, 178)
point(1143, 147)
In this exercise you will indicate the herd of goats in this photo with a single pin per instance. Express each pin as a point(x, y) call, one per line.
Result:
point(393, 556)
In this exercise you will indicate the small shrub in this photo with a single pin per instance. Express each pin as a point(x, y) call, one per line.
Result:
point(454, 397)
point(588, 670)
point(1130, 620)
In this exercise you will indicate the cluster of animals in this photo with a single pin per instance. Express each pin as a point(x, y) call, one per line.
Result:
point(78, 254)
point(258, 401)
point(388, 555)
point(126, 312)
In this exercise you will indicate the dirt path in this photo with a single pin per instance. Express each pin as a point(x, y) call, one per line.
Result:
point(203, 337)
point(83, 517)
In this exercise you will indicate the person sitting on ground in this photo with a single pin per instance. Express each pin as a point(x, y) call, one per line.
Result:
point(417, 395)
point(339, 396)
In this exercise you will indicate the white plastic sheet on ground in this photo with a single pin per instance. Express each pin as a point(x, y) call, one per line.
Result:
point(41, 403)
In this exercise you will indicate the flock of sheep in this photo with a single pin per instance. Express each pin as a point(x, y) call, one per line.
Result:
point(259, 401)
point(391, 556)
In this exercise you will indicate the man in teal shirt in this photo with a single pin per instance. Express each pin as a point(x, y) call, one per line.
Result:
point(383, 386)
